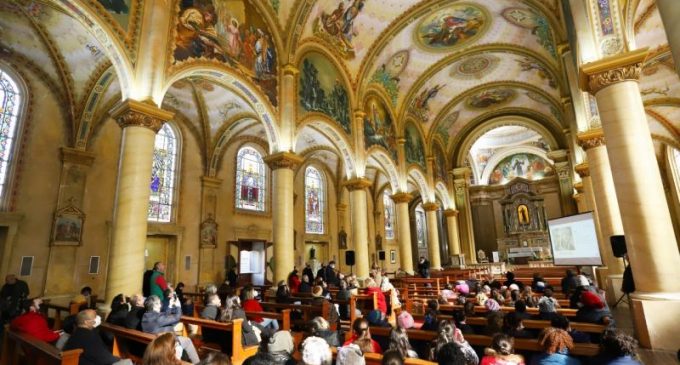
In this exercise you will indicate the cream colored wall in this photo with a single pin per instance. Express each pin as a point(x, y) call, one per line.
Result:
point(388, 245)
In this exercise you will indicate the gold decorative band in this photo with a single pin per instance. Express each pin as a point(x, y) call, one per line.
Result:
point(595, 76)
point(132, 113)
point(450, 213)
point(402, 198)
point(283, 160)
point(358, 183)
point(430, 207)
point(591, 139)
point(582, 169)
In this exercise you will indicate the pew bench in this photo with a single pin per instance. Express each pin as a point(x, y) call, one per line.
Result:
point(239, 353)
point(17, 348)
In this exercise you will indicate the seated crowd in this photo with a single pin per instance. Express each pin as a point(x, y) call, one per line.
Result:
point(323, 341)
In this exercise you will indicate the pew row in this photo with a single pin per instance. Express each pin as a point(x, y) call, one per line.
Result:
point(17, 348)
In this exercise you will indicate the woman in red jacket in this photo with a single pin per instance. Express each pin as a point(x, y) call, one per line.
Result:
point(372, 287)
point(33, 323)
point(250, 304)
point(294, 281)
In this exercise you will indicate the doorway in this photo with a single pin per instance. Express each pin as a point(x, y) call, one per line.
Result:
point(160, 249)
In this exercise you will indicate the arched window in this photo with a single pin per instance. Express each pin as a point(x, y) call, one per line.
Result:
point(163, 178)
point(250, 180)
point(389, 214)
point(10, 107)
point(421, 226)
point(314, 201)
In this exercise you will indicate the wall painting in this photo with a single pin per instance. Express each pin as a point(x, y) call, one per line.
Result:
point(379, 127)
point(452, 27)
point(387, 75)
point(523, 165)
point(320, 90)
point(230, 31)
point(119, 10)
point(490, 97)
point(420, 106)
point(336, 26)
point(527, 64)
point(535, 21)
point(439, 162)
point(445, 125)
point(415, 151)
point(475, 67)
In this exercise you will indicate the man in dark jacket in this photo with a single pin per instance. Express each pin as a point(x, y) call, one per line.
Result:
point(87, 338)
point(153, 321)
point(134, 316)
point(12, 295)
point(308, 271)
point(331, 276)
point(424, 267)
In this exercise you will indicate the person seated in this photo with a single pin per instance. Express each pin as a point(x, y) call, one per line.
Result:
point(343, 294)
point(85, 337)
point(371, 288)
point(562, 322)
point(469, 309)
point(462, 287)
point(212, 307)
point(275, 349)
point(501, 352)
point(405, 320)
point(153, 321)
point(319, 299)
point(594, 310)
point(497, 295)
point(120, 309)
point(315, 351)
point(250, 304)
point(618, 348)
point(283, 293)
point(494, 323)
point(510, 279)
point(582, 284)
point(68, 325)
point(513, 326)
point(319, 327)
point(399, 342)
point(430, 321)
point(187, 303)
point(547, 305)
point(568, 283)
point(12, 297)
point(448, 333)
point(392, 357)
point(305, 285)
point(361, 331)
point(491, 306)
point(556, 344)
point(33, 323)
point(447, 293)
point(294, 281)
point(248, 331)
point(84, 298)
point(162, 351)
point(528, 297)
point(521, 310)
point(538, 283)
point(483, 295)
point(133, 320)
point(459, 319)
point(452, 353)
point(217, 358)
point(376, 318)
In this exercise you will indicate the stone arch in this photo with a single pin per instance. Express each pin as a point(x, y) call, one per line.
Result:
point(497, 158)
point(225, 134)
point(335, 135)
point(382, 157)
point(442, 193)
point(421, 182)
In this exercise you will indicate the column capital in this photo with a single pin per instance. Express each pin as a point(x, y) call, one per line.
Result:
point(132, 113)
point(591, 138)
point(290, 70)
point(358, 183)
point(430, 207)
point(595, 76)
point(359, 114)
point(76, 156)
point(582, 170)
point(340, 207)
point(462, 172)
point(211, 182)
point(402, 198)
point(283, 160)
point(451, 213)
point(559, 155)
point(579, 187)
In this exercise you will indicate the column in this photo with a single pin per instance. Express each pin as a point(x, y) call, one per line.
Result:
point(433, 234)
point(670, 15)
point(461, 183)
point(563, 169)
point(401, 201)
point(452, 227)
point(604, 193)
point(357, 196)
point(580, 199)
point(140, 122)
point(650, 239)
point(283, 165)
point(209, 263)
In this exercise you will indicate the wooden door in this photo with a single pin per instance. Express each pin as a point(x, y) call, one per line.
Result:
point(156, 250)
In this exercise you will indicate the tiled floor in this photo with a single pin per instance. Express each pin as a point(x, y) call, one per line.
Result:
point(648, 357)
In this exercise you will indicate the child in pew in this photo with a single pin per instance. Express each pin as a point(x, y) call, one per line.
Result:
point(501, 352)
point(547, 305)
point(430, 322)
point(448, 333)
point(399, 342)
point(562, 322)
point(556, 345)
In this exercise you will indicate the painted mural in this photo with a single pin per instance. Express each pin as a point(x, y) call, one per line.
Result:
point(543, 100)
point(474, 67)
point(523, 165)
point(336, 26)
point(379, 127)
point(230, 31)
point(445, 125)
point(387, 75)
point(490, 97)
point(415, 151)
point(420, 108)
point(528, 64)
point(320, 90)
point(119, 10)
point(439, 162)
point(536, 22)
point(452, 27)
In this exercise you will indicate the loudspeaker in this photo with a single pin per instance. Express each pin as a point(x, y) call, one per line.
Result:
point(349, 258)
point(618, 245)
point(381, 255)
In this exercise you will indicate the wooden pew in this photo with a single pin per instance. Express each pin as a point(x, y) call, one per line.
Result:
point(17, 348)
point(45, 308)
point(122, 335)
point(239, 353)
point(283, 317)
point(411, 305)
point(541, 324)
point(376, 359)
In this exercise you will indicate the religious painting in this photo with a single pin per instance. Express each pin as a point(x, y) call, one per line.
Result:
point(474, 67)
point(393, 256)
point(209, 232)
point(314, 201)
point(528, 64)
point(230, 31)
point(535, 21)
point(379, 127)
point(490, 97)
point(420, 108)
point(439, 162)
point(445, 125)
point(119, 10)
point(336, 26)
point(320, 90)
point(524, 165)
point(387, 75)
point(67, 228)
point(523, 214)
point(414, 148)
point(452, 27)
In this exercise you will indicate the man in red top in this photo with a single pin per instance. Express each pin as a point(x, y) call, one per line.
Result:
point(33, 323)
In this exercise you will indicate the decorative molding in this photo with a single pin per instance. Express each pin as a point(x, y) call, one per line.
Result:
point(358, 183)
point(290, 70)
point(431, 207)
point(283, 160)
point(579, 187)
point(582, 170)
point(451, 213)
point(591, 139)
point(401, 198)
point(132, 113)
point(595, 76)
point(76, 156)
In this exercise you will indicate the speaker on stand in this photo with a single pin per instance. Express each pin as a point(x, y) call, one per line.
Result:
point(349, 260)
point(620, 250)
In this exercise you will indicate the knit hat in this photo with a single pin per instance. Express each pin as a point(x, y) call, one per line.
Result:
point(591, 300)
point(350, 355)
point(405, 320)
point(281, 341)
point(581, 280)
point(492, 305)
point(315, 351)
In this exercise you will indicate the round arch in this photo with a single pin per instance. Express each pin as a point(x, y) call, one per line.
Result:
point(327, 127)
point(443, 195)
point(498, 157)
point(385, 161)
point(421, 182)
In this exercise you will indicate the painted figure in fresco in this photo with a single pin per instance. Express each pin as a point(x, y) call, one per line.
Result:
point(348, 31)
point(424, 98)
point(518, 166)
point(452, 29)
point(332, 22)
point(115, 6)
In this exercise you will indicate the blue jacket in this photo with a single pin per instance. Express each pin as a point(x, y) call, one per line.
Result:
point(554, 359)
point(154, 322)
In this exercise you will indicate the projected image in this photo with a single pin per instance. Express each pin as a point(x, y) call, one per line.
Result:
point(564, 239)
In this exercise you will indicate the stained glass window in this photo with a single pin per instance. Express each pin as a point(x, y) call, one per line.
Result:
point(250, 180)
point(314, 201)
point(389, 214)
point(163, 170)
point(420, 225)
point(10, 102)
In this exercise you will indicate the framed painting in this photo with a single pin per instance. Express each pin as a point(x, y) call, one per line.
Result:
point(67, 228)
point(393, 256)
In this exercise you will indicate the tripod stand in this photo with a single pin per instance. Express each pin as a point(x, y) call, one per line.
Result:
point(627, 284)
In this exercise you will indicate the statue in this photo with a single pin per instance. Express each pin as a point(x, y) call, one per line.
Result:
point(523, 214)
point(378, 242)
point(312, 253)
point(342, 239)
point(481, 256)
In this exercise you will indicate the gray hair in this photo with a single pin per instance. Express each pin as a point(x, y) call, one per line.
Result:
point(151, 302)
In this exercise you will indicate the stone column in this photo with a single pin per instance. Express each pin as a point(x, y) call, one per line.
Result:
point(452, 227)
point(433, 234)
point(580, 199)
point(604, 192)
point(650, 239)
point(563, 169)
point(209, 263)
point(357, 196)
point(283, 165)
point(401, 201)
point(670, 15)
point(140, 122)
point(461, 184)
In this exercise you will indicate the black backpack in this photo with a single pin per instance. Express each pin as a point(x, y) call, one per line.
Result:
point(146, 283)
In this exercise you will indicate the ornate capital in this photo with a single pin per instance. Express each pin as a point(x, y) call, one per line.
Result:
point(627, 66)
point(450, 213)
point(591, 139)
point(462, 172)
point(132, 113)
point(359, 114)
point(290, 69)
point(283, 160)
point(582, 170)
point(76, 156)
point(430, 207)
point(402, 198)
point(579, 187)
point(358, 183)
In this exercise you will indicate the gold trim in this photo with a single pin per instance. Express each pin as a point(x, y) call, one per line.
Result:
point(431, 206)
point(140, 114)
point(401, 198)
point(595, 76)
point(283, 160)
point(358, 183)
point(591, 139)
point(76, 156)
point(451, 213)
point(579, 187)
point(290, 69)
point(583, 170)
